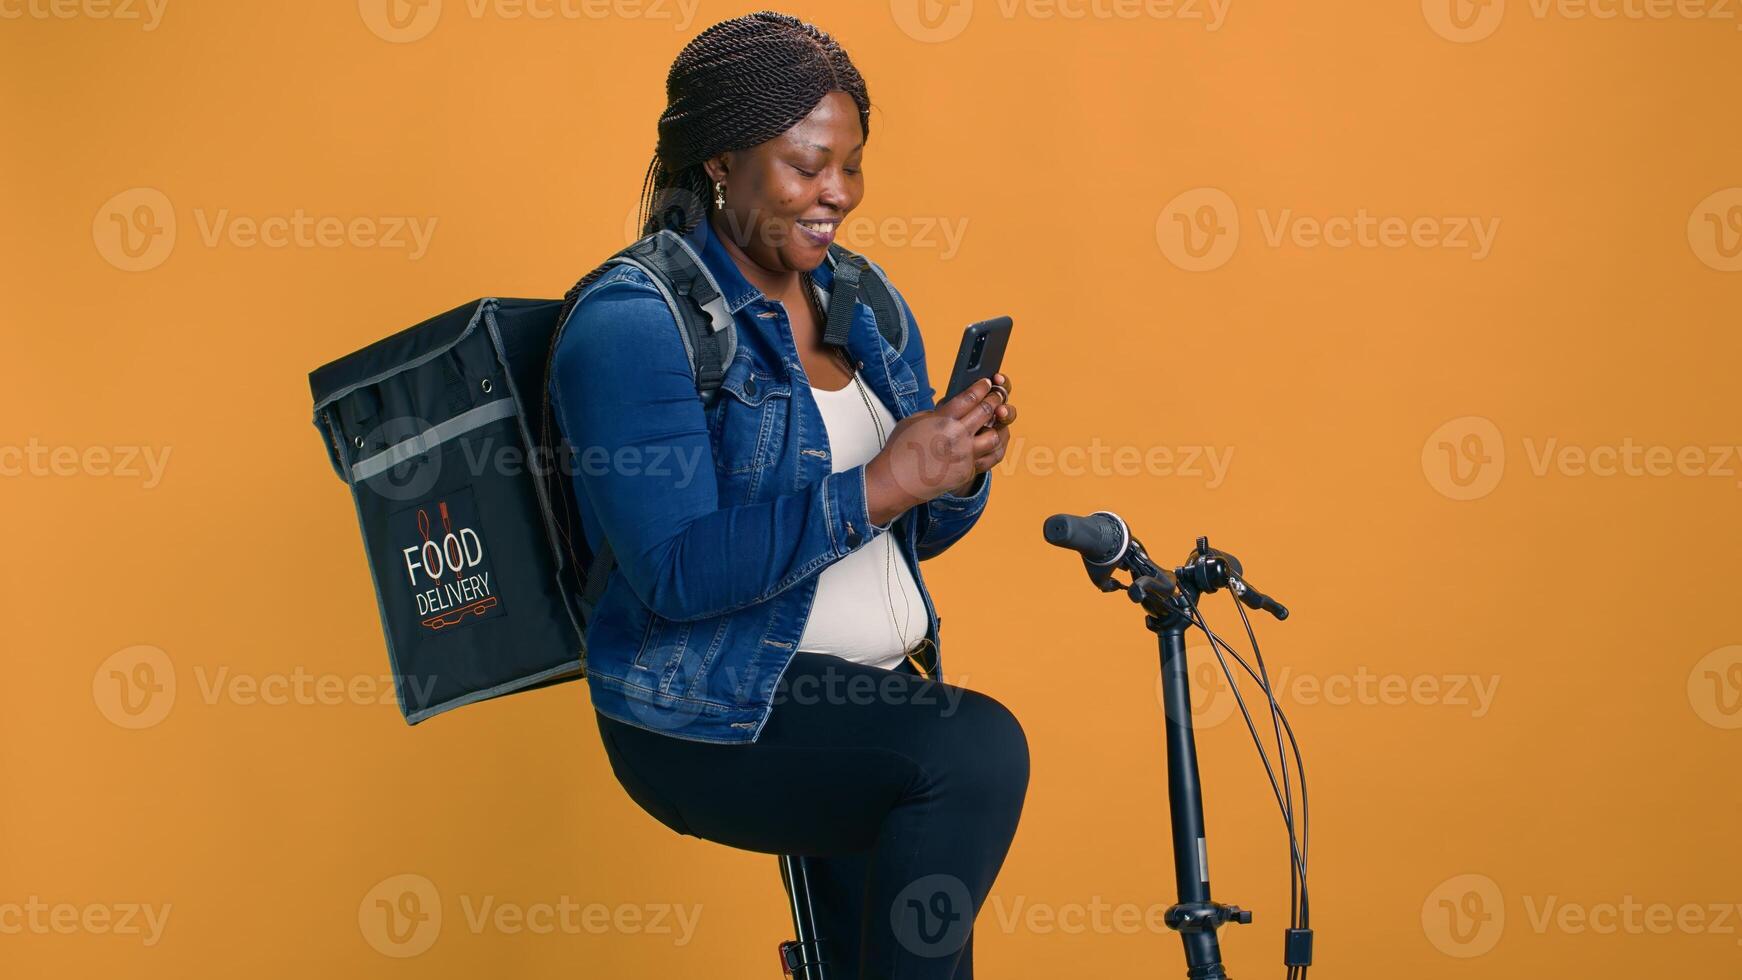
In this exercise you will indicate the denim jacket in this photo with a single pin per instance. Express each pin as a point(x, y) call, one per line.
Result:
point(721, 519)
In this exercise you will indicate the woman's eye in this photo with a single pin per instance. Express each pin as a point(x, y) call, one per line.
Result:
point(803, 171)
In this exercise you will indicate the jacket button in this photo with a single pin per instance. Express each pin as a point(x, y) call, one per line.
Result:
point(750, 386)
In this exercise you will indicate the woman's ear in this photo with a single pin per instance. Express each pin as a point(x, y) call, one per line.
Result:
point(717, 168)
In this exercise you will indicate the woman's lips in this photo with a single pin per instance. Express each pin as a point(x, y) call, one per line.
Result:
point(818, 232)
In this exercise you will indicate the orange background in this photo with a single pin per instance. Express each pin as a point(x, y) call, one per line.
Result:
point(1598, 609)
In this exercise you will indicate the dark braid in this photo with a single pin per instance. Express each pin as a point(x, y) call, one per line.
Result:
point(739, 83)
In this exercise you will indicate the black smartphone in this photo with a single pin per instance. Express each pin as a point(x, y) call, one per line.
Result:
point(981, 354)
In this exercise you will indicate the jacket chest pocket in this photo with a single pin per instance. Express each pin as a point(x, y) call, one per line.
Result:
point(747, 425)
point(902, 381)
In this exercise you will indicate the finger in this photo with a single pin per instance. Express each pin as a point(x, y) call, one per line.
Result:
point(987, 412)
point(966, 401)
point(1006, 415)
point(986, 442)
point(1002, 379)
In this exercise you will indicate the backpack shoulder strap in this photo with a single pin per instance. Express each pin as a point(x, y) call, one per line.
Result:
point(694, 298)
point(709, 337)
point(875, 290)
point(697, 304)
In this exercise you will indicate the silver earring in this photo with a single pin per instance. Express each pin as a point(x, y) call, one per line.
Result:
point(719, 196)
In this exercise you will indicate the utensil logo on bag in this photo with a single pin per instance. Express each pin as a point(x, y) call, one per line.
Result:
point(446, 563)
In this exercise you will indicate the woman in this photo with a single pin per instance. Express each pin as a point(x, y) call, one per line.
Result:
point(763, 659)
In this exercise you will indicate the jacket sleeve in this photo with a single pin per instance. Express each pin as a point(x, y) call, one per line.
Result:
point(944, 518)
point(625, 397)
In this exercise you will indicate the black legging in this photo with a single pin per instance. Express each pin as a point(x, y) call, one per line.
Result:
point(905, 792)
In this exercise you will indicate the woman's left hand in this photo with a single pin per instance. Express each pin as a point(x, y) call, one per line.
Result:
point(1002, 419)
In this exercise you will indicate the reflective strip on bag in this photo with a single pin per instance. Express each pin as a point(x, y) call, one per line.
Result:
point(432, 437)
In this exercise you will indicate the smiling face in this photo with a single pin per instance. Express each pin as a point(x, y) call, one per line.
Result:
point(786, 198)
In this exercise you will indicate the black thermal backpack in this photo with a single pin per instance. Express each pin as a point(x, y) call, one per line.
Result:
point(444, 433)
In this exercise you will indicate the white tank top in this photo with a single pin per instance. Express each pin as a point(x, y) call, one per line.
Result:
point(852, 616)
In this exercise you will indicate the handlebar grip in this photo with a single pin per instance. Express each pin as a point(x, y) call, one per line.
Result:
point(1255, 599)
point(1097, 537)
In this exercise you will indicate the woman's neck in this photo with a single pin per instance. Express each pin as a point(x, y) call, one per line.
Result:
point(775, 284)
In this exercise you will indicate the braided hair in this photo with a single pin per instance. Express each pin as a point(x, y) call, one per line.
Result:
point(737, 84)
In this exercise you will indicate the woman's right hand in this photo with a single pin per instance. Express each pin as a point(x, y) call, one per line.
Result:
point(930, 452)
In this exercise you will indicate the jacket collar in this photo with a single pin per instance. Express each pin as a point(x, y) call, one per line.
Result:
point(865, 345)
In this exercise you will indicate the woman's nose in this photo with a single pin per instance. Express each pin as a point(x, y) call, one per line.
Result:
point(834, 191)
